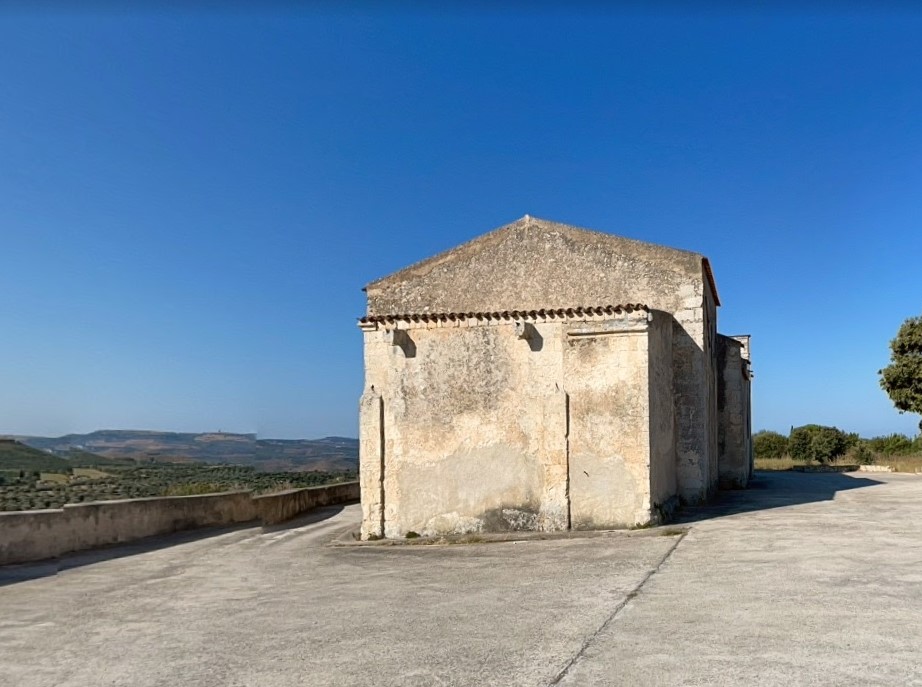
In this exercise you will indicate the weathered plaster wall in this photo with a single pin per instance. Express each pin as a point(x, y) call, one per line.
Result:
point(695, 383)
point(371, 439)
point(474, 431)
point(622, 426)
point(533, 264)
point(663, 482)
point(607, 379)
point(734, 433)
point(746, 399)
point(710, 358)
point(746, 354)
point(471, 419)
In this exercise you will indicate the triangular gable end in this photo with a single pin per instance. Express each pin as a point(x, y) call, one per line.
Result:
point(535, 263)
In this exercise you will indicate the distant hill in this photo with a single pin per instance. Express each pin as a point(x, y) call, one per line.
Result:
point(15, 455)
point(327, 454)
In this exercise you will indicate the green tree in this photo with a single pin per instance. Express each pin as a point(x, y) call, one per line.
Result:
point(892, 444)
point(817, 442)
point(766, 444)
point(902, 378)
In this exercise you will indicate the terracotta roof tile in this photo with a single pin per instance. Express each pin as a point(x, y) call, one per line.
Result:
point(580, 311)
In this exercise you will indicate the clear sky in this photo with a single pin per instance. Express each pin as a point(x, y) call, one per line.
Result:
point(191, 201)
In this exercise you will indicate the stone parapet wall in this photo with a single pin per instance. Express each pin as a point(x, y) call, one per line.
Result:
point(275, 508)
point(36, 535)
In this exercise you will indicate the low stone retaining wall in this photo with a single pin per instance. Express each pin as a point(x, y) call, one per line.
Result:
point(825, 468)
point(275, 508)
point(36, 535)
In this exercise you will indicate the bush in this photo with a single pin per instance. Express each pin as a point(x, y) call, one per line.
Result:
point(766, 444)
point(817, 442)
point(892, 444)
point(860, 454)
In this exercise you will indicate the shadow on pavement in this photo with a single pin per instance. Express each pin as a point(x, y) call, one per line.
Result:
point(314, 516)
point(21, 572)
point(767, 490)
point(776, 490)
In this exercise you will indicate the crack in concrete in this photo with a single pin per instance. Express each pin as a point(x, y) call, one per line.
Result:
point(614, 614)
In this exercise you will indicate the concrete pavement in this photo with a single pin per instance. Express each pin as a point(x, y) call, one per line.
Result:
point(810, 579)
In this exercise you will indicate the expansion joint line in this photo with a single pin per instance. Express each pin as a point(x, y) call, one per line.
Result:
point(614, 614)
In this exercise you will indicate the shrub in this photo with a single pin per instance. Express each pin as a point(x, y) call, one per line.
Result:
point(892, 444)
point(817, 442)
point(767, 444)
point(860, 454)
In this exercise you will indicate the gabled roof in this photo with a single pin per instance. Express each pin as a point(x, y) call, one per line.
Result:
point(583, 239)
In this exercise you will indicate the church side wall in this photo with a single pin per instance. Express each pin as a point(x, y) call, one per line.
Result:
point(663, 485)
point(710, 357)
point(746, 402)
point(695, 407)
point(734, 427)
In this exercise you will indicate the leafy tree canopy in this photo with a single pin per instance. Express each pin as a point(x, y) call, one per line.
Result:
point(902, 378)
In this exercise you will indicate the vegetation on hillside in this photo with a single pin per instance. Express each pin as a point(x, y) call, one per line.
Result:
point(30, 489)
point(270, 455)
point(16, 456)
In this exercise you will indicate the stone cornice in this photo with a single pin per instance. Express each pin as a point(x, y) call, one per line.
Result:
point(635, 311)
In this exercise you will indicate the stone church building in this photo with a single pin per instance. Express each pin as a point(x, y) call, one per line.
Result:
point(547, 377)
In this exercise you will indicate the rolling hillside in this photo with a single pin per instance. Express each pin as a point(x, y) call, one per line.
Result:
point(327, 454)
point(15, 456)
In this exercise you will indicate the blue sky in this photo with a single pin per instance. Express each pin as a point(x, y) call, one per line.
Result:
point(191, 201)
